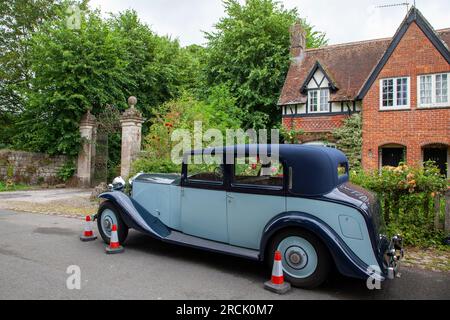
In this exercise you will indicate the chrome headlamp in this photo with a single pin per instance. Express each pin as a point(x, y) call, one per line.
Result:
point(118, 184)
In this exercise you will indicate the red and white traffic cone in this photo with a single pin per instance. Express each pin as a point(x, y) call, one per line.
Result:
point(114, 245)
point(88, 233)
point(277, 283)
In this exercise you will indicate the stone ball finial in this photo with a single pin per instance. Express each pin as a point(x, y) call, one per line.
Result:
point(132, 112)
point(132, 101)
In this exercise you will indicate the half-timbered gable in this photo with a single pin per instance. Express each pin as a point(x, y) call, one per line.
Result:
point(400, 84)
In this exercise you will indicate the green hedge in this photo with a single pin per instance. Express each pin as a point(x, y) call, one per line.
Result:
point(407, 196)
point(150, 164)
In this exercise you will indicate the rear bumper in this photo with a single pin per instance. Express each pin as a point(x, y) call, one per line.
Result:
point(390, 255)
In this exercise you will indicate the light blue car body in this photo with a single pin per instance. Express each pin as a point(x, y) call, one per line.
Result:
point(239, 219)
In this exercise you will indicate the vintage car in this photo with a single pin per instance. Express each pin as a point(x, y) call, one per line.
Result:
point(301, 204)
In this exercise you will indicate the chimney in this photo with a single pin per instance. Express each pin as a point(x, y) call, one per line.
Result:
point(298, 39)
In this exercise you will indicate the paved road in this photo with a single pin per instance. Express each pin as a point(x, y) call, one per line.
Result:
point(35, 251)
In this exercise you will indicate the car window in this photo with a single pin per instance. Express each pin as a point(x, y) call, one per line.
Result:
point(201, 172)
point(342, 169)
point(251, 171)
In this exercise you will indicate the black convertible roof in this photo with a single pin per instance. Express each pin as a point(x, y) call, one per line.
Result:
point(314, 168)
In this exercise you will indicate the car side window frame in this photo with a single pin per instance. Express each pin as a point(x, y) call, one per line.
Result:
point(202, 184)
point(258, 189)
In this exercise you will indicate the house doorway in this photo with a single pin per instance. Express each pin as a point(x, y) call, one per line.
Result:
point(438, 154)
point(392, 155)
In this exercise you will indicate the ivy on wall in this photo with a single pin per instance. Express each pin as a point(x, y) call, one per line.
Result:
point(349, 139)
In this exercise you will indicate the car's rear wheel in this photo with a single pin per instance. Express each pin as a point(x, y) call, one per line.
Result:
point(305, 260)
point(108, 214)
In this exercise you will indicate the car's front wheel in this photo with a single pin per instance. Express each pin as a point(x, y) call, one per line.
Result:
point(305, 260)
point(108, 214)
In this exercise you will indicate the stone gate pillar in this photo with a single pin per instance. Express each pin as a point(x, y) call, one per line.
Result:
point(85, 167)
point(131, 122)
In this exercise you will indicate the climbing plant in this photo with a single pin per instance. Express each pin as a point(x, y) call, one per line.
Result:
point(349, 139)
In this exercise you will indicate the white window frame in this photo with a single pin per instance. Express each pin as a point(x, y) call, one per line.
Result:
point(318, 90)
point(395, 106)
point(433, 103)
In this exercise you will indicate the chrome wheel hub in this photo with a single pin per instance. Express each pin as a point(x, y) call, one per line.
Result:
point(296, 257)
point(300, 258)
point(107, 219)
point(107, 224)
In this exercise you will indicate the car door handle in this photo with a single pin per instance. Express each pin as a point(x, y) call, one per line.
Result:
point(229, 197)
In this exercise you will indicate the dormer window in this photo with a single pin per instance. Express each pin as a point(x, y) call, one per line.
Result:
point(318, 100)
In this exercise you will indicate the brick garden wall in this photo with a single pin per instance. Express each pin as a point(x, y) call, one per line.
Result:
point(28, 167)
point(413, 128)
point(318, 128)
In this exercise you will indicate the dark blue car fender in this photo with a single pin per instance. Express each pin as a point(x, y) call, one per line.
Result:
point(347, 262)
point(135, 216)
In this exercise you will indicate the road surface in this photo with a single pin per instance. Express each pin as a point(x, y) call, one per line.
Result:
point(36, 250)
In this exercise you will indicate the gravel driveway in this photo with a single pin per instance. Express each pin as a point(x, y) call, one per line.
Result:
point(68, 202)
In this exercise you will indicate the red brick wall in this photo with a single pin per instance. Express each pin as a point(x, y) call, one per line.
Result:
point(414, 128)
point(315, 124)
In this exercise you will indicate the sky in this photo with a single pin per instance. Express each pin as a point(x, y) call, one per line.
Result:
point(341, 20)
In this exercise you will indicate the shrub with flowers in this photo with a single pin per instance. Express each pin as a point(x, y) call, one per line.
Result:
point(407, 195)
point(403, 179)
point(218, 111)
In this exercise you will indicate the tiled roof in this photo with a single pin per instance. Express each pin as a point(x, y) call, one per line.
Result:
point(349, 65)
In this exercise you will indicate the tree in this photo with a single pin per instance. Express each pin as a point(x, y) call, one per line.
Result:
point(74, 70)
point(217, 111)
point(19, 19)
point(249, 50)
point(101, 63)
point(156, 66)
point(195, 70)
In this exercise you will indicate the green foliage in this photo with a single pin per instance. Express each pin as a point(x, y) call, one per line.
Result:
point(218, 111)
point(100, 64)
point(291, 135)
point(10, 171)
point(150, 164)
point(51, 74)
point(195, 67)
point(9, 185)
point(407, 195)
point(157, 68)
point(249, 51)
point(74, 71)
point(349, 139)
point(18, 20)
point(403, 179)
point(66, 171)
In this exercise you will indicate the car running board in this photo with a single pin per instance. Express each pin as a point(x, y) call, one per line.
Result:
point(195, 242)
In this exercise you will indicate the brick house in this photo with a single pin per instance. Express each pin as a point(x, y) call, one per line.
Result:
point(400, 85)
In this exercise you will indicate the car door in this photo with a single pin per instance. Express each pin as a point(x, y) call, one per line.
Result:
point(254, 198)
point(203, 202)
